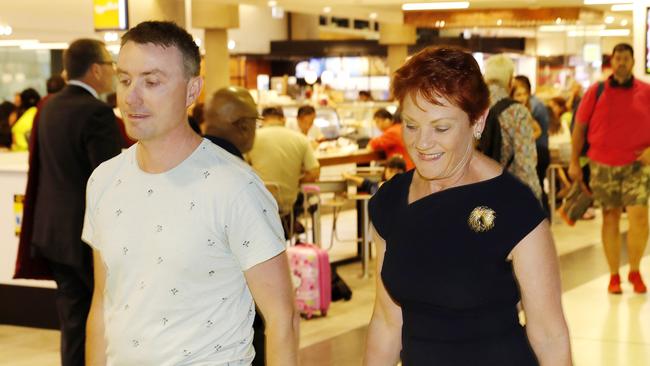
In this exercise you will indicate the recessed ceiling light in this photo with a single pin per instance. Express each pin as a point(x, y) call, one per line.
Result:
point(623, 22)
point(272, 3)
point(436, 6)
point(372, 15)
point(609, 19)
point(327, 9)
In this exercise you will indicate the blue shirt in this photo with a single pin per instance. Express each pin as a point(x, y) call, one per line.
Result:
point(540, 113)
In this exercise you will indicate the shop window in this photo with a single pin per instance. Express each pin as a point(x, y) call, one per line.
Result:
point(361, 24)
point(341, 22)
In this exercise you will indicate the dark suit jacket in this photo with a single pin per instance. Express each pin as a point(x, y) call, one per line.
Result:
point(76, 133)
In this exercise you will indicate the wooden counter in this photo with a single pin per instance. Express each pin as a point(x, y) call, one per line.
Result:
point(357, 157)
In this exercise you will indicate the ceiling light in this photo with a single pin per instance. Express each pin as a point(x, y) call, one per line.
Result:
point(272, 3)
point(600, 33)
point(16, 42)
point(436, 6)
point(111, 36)
point(6, 30)
point(45, 46)
point(558, 20)
point(327, 9)
point(623, 7)
point(499, 22)
point(372, 15)
point(623, 22)
point(606, 2)
point(231, 44)
point(609, 19)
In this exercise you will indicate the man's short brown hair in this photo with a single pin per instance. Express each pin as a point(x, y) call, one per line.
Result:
point(167, 34)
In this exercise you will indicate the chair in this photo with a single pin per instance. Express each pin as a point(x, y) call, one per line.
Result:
point(287, 218)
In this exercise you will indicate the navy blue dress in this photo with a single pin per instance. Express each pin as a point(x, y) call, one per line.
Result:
point(452, 279)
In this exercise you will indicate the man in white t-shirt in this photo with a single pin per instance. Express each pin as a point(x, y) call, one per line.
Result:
point(184, 234)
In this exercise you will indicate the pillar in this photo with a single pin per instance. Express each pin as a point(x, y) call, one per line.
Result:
point(397, 37)
point(215, 19)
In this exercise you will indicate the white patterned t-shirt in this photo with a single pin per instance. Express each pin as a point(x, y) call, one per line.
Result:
point(175, 246)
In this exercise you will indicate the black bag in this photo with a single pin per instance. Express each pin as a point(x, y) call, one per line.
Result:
point(491, 139)
point(576, 203)
point(340, 289)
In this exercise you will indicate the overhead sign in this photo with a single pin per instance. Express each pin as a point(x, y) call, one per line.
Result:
point(110, 15)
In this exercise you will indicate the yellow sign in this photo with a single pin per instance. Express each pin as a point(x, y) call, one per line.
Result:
point(110, 14)
point(18, 211)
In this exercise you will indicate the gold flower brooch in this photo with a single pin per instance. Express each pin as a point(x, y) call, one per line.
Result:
point(481, 219)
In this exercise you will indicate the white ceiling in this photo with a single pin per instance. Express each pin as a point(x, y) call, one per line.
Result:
point(63, 20)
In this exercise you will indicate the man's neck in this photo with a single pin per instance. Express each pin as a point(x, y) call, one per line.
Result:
point(623, 79)
point(164, 153)
point(83, 84)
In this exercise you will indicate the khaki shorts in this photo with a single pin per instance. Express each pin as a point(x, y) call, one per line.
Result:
point(619, 186)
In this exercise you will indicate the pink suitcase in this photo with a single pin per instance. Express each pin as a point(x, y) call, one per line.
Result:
point(310, 272)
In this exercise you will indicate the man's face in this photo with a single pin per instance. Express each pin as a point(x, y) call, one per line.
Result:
point(306, 121)
point(622, 64)
point(153, 92)
point(107, 74)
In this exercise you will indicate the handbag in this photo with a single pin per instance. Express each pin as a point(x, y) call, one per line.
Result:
point(576, 203)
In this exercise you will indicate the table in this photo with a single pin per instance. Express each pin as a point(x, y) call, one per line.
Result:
point(363, 198)
point(358, 157)
point(340, 186)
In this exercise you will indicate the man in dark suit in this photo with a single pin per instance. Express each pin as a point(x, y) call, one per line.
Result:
point(76, 133)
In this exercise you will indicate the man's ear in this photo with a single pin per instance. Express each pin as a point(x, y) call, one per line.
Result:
point(194, 87)
point(96, 71)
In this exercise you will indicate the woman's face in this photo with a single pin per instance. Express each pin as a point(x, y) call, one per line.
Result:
point(437, 137)
point(520, 94)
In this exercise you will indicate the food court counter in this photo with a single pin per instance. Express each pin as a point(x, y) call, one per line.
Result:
point(22, 302)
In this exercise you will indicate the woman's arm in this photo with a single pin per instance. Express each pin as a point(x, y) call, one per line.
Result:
point(536, 269)
point(384, 341)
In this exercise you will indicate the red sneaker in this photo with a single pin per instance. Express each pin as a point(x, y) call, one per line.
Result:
point(635, 278)
point(615, 285)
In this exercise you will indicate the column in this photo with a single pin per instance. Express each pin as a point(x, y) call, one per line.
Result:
point(397, 37)
point(215, 19)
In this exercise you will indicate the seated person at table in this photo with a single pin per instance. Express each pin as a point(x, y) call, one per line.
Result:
point(390, 140)
point(282, 157)
point(304, 124)
point(395, 165)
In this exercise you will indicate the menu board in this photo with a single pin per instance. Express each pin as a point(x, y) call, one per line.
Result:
point(110, 15)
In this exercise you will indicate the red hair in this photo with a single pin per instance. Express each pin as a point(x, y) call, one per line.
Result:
point(448, 73)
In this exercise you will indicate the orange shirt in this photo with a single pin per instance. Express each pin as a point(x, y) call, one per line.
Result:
point(391, 142)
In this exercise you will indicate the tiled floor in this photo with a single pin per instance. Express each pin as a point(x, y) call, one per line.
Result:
point(606, 330)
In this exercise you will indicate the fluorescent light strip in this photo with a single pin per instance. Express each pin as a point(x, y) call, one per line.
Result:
point(16, 42)
point(45, 46)
point(570, 28)
point(607, 2)
point(623, 7)
point(436, 6)
point(600, 33)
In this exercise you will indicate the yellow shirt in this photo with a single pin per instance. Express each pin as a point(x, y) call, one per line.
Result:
point(21, 129)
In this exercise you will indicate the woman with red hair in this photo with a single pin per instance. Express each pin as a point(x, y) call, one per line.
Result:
point(459, 241)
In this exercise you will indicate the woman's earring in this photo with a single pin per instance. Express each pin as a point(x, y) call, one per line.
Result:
point(477, 134)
